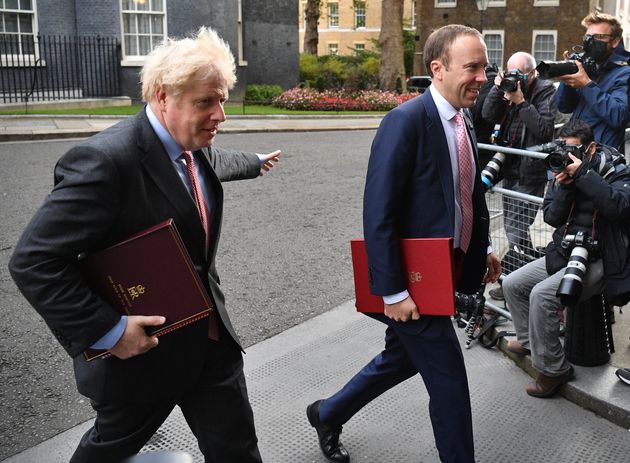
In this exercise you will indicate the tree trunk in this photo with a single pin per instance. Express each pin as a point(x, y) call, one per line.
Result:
point(392, 72)
point(311, 15)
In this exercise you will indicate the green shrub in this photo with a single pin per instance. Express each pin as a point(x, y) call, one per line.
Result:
point(262, 93)
point(309, 67)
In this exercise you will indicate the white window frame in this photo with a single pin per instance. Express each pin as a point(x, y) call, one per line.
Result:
point(331, 45)
point(359, 44)
point(445, 4)
point(138, 60)
point(546, 3)
point(537, 32)
point(22, 60)
point(356, 16)
point(329, 16)
point(414, 6)
point(498, 3)
point(502, 34)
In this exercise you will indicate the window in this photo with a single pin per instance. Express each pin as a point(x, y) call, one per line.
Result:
point(359, 47)
point(333, 48)
point(359, 15)
point(143, 24)
point(544, 45)
point(546, 2)
point(17, 31)
point(333, 15)
point(494, 43)
point(414, 5)
point(445, 3)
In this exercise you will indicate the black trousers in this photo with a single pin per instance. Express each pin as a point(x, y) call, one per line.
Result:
point(216, 408)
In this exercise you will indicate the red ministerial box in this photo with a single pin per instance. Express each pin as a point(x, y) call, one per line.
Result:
point(149, 273)
point(428, 263)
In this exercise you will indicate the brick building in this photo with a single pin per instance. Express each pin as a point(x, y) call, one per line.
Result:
point(544, 28)
point(262, 36)
point(349, 25)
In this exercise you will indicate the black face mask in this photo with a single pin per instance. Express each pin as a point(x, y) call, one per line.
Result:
point(596, 49)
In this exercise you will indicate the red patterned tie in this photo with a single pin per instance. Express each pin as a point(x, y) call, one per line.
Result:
point(464, 159)
point(200, 200)
point(202, 208)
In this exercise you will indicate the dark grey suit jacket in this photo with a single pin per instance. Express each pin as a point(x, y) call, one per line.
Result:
point(106, 188)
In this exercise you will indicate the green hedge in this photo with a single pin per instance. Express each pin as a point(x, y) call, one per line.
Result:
point(262, 93)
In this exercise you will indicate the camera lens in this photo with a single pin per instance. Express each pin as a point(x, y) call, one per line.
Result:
point(508, 84)
point(490, 173)
point(571, 284)
point(556, 162)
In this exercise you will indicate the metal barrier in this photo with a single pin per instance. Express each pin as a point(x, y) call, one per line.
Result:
point(518, 238)
point(59, 67)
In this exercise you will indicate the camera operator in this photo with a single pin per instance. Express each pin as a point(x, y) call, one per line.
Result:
point(589, 197)
point(484, 128)
point(524, 106)
point(598, 94)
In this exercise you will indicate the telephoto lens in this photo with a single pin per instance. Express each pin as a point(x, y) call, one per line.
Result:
point(490, 173)
point(552, 69)
point(572, 282)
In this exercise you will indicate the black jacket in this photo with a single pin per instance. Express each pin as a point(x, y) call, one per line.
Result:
point(107, 188)
point(602, 190)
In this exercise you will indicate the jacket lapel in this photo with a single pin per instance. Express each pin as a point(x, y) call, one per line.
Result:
point(442, 156)
point(159, 167)
point(214, 184)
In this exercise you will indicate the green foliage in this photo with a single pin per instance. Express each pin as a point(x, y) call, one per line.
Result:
point(262, 92)
point(351, 72)
point(309, 67)
point(409, 48)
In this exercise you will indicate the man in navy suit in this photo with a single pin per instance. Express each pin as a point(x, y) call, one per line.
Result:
point(157, 165)
point(414, 189)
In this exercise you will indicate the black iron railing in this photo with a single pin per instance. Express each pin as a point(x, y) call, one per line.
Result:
point(48, 68)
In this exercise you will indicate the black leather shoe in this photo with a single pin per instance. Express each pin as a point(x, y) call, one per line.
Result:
point(328, 437)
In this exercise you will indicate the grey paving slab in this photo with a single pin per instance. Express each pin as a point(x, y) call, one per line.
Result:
point(313, 359)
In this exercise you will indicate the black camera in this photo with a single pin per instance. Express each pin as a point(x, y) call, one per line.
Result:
point(572, 283)
point(510, 81)
point(553, 69)
point(558, 151)
point(467, 305)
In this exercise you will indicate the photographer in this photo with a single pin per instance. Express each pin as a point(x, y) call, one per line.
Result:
point(598, 92)
point(589, 198)
point(524, 106)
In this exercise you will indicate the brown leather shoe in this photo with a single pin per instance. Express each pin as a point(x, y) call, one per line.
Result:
point(516, 348)
point(546, 386)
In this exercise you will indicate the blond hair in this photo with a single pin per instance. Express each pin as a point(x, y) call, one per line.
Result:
point(176, 63)
point(595, 17)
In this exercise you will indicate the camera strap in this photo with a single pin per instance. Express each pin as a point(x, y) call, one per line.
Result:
point(568, 222)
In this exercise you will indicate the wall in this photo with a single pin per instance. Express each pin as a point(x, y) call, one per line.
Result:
point(271, 42)
point(517, 20)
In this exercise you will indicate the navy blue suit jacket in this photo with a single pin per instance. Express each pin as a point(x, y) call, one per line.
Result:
point(409, 194)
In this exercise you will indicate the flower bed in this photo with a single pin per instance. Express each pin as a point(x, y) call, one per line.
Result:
point(331, 100)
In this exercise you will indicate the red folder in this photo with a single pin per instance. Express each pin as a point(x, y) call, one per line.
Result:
point(428, 263)
point(149, 273)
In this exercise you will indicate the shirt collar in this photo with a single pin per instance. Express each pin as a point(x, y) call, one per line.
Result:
point(173, 150)
point(445, 109)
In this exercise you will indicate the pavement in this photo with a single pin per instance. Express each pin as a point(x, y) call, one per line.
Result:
point(14, 128)
point(313, 359)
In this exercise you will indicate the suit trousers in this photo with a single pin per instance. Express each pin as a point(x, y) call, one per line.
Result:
point(216, 408)
point(530, 295)
point(428, 346)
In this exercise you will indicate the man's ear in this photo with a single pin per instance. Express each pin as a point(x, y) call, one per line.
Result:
point(437, 69)
point(160, 97)
point(615, 43)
